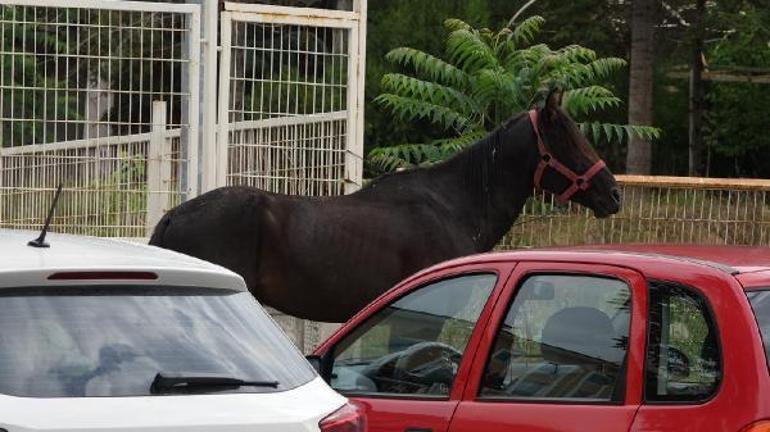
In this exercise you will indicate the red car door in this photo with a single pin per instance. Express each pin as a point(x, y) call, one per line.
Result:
point(405, 357)
point(563, 351)
point(705, 361)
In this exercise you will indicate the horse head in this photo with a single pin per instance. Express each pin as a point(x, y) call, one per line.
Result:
point(568, 166)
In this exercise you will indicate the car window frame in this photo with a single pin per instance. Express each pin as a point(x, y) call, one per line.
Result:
point(632, 376)
point(621, 384)
point(501, 271)
point(747, 291)
point(711, 312)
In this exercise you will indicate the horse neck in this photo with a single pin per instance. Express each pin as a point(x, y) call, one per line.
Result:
point(487, 185)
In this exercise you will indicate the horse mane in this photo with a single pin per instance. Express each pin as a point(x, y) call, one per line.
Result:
point(476, 159)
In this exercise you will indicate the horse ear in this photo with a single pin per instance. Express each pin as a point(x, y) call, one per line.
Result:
point(552, 104)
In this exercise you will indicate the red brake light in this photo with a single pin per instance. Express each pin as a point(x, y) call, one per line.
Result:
point(349, 418)
point(103, 275)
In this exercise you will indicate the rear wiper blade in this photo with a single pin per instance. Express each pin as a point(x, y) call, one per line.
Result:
point(172, 382)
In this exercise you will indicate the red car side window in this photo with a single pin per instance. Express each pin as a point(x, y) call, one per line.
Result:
point(414, 345)
point(564, 338)
point(683, 357)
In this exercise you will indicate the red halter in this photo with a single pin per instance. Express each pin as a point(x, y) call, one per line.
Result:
point(579, 182)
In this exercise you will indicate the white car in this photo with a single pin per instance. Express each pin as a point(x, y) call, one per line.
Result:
point(104, 335)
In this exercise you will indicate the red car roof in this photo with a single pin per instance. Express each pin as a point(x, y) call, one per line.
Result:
point(653, 258)
point(742, 259)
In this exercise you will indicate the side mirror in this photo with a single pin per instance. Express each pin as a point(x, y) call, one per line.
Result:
point(322, 365)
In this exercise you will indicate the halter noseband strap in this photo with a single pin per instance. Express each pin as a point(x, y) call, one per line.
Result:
point(579, 182)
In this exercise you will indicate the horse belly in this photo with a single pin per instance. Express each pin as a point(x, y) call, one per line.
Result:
point(318, 270)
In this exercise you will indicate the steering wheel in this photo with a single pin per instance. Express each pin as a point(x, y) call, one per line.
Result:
point(428, 364)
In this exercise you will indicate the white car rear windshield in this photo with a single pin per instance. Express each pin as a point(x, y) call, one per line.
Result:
point(115, 340)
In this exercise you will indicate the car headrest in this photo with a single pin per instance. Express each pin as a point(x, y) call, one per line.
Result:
point(582, 333)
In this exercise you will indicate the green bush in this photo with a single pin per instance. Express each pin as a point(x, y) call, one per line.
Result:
point(486, 77)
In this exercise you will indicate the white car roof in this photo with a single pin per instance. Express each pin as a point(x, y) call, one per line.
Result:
point(23, 265)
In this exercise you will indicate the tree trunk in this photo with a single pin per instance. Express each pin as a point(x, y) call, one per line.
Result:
point(695, 167)
point(638, 159)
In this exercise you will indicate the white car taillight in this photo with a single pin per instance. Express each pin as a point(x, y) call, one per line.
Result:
point(349, 418)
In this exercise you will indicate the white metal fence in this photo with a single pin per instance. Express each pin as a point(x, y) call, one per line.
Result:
point(290, 99)
point(79, 80)
point(655, 209)
point(101, 96)
point(114, 185)
point(116, 100)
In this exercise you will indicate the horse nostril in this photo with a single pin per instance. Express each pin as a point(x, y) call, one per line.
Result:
point(616, 196)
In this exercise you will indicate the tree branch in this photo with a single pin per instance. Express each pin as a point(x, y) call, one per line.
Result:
point(520, 11)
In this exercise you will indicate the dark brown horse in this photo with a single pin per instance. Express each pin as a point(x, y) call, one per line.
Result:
point(325, 258)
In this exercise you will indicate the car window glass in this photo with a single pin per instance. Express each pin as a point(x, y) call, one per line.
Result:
point(113, 340)
point(564, 337)
point(760, 304)
point(414, 345)
point(683, 361)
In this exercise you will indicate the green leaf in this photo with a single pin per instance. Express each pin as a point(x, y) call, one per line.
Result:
point(428, 66)
point(411, 109)
point(434, 93)
point(612, 131)
point(603, 68)
point(585, 100)
point(449, 146)
point(466, 49)
point(413, 155)
point(453, 24)
point(403, 156)
point(577, 54)
point(525, 31)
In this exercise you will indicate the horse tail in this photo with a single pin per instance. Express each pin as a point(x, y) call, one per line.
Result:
point(160, 229)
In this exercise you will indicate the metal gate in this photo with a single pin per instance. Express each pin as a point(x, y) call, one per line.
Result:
point(290, 99)
point(291, 108)
point(103, 97)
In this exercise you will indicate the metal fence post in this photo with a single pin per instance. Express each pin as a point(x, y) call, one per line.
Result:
point(208, 136)
point(223, 97)
point(354, 151)
point(189, 148)
point(158, 167)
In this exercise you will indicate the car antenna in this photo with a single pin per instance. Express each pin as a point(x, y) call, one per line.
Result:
point(40, 241)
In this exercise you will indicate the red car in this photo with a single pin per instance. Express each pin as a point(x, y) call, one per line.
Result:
point(634, 338)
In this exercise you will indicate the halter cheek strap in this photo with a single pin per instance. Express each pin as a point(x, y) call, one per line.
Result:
point(578, 182)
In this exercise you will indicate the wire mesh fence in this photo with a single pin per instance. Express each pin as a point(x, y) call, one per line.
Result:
point(106, 191)
point(287, 106)
point(301, 156)
point(78, 82)
point(655, 210)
